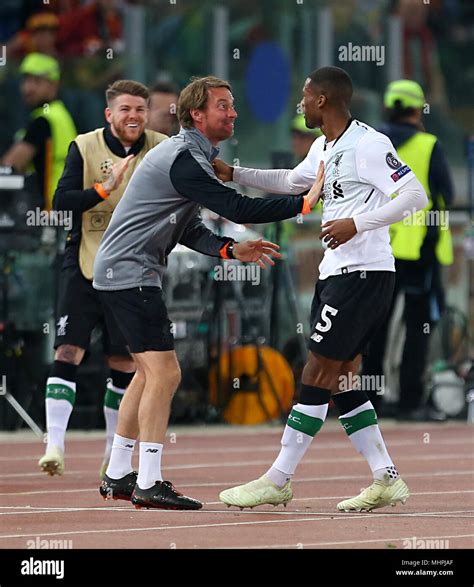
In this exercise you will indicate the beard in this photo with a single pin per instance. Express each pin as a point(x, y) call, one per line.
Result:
point(126, 134)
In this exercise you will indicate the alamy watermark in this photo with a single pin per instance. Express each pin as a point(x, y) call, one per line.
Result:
point(423, 543)
point(352, 52)
point(363, 382)
point(34, 566)
point(43, 544)
point(233, 272)
point(38, 217)
point(429, 218)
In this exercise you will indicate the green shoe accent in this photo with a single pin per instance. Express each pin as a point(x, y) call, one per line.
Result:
point(60, 391)
point(112, 399)
point(359, 421)
point(304, 423)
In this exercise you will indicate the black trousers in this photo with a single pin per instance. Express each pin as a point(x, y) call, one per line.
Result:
point(424, 302)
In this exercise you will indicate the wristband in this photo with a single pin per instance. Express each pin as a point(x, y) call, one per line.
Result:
point(99, 188)
point(227, 251)
point(306, 207)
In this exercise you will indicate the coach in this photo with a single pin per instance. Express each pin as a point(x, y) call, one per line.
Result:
point(160, 208)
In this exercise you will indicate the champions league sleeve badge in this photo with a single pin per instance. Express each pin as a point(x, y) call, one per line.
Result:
point(392, 161)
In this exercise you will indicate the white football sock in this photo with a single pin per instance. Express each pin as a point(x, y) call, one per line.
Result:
point(304, 422)
point(149, 470)
point(120, 463)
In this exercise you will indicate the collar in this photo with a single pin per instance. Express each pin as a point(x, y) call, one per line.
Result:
point(116, 146)
point(195, 136)
point(334, 141)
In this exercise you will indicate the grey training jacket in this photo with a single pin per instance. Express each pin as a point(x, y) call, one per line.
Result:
point(160, 208)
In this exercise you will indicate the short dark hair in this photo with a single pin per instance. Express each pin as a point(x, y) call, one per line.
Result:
point(126, 86)
point(334, 82)
point(398, 113)
point(195, 96)
point(164, 87)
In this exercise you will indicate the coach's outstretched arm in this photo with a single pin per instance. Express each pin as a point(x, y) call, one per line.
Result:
point(200, 238)
point(197, 181)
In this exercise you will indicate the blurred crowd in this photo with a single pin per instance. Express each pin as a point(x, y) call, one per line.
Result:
point(63, 28)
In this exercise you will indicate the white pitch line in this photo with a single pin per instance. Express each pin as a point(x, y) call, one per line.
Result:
point(327, 497)
point(271, 447)
point(194, 527)
point(226, 464)
point(128, 510)
point(41, 474)
point(240, 482)
point(373, 540)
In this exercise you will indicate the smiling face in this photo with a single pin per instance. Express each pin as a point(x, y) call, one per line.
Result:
point(312, 104)
point(216, 120)
point(127, 116)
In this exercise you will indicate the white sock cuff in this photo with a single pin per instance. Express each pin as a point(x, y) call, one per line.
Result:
point(61, 381)
point(363, 408)
point(313, 411)
point(125, 443)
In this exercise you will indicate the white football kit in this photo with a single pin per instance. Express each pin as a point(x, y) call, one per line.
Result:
point(362, 171)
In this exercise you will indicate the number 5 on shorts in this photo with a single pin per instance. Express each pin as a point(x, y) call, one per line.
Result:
point(327, 323)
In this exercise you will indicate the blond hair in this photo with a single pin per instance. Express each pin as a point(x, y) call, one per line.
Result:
point(195, 96)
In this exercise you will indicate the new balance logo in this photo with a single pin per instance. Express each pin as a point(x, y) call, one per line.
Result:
point(153, 450)
point(337, 189)
point(316, 337)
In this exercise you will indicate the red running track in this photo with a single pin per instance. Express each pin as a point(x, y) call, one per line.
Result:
point(435, 460)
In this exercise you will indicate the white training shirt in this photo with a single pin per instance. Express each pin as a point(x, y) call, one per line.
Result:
point(362, 171)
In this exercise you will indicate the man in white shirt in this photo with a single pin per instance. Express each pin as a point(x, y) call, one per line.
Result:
point(354, 289)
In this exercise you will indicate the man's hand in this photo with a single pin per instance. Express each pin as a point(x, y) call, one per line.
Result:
point(116, 176)
point(338, 232)
point(223, 171)
point(316, 190)
point(258, 251)
point(19, 156)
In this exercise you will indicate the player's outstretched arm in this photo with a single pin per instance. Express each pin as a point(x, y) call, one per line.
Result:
point(223, 170)
point(276, 181)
